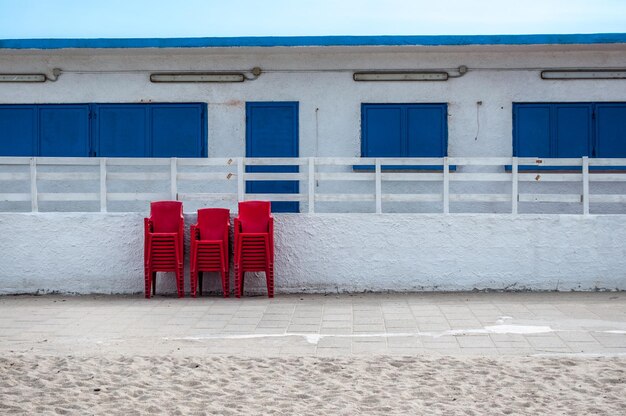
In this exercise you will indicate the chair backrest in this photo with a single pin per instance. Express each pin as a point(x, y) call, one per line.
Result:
point(254, 216)
point(166, 216)
point(213, 222)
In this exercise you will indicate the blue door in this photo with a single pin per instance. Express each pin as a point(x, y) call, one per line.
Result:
point(610, 130)
point(177, 130)
point(18, 130)
point(272, 131)
point(64, 130)
point(121, 130)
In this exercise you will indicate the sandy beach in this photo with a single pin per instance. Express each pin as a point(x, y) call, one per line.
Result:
point(312, 385)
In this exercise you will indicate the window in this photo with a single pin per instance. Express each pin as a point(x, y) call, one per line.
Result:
point(569, 130)
point(107, 130)
point(404, 130)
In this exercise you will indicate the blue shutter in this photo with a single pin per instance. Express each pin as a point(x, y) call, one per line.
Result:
point(64, 130)
point(427, 131)
point(18, 130)
point(572, 130)
point(121, 130)
point(177, 130)
point(272, 131)
point(610, 130)
point(531, 132)
point(382, 131)
point(403, 130)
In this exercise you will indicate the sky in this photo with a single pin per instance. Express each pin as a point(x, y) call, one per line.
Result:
point(22, 19)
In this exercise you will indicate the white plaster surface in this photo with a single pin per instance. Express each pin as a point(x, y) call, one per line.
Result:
point(320, 79)
point(102, 253)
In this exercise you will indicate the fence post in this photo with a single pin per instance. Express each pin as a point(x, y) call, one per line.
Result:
point(446, 186)
point(585, 185)
point(240, 182)
point(34, 206)
point(514, 185)
point(173, 179)
point(379, 187)
point(311, 185)
point(103, 184)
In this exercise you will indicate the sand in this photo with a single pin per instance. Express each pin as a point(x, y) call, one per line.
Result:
point(376, 385)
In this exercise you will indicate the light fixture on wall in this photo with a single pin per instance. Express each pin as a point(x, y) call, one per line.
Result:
point(401, 76)
point(22, 77)
point(197, 77)
point(568, 74)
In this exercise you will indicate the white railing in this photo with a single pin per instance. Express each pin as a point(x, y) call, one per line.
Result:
point(112, 180)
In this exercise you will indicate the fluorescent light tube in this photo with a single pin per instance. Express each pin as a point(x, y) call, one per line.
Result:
point(584, 74)
point(400, 76)
point(22, 78)
point(197, 77)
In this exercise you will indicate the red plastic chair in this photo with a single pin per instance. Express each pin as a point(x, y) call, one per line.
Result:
point(163, 243)
point(209, 247)
point(254, 243)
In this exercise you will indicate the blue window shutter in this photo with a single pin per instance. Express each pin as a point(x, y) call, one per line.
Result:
point(531, 132)
point(610, 130)
point(572, 130)
point(177, 130)
point(383, 133)
point(426, 130)
point(18, 130)
point(64, 130)
point(121, 130)
point(272, 131)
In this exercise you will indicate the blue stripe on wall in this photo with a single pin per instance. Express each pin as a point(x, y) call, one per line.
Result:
point(294, 41)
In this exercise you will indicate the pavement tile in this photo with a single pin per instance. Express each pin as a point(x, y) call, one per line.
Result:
point(273, 324)
point(542, 342)
point(371, 328)
point(303, 328)
point(378, 347)
point(335, 331)
point(334, 342)
point(337, 324)
point(475, 341)
point(337, 317)
point(611, 340)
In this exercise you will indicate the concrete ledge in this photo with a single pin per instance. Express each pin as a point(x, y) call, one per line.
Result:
point(103, 253)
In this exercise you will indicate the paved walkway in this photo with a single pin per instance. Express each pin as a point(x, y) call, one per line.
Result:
point(317, 325)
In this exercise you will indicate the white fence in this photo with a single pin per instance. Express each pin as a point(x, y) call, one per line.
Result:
point(28, 183)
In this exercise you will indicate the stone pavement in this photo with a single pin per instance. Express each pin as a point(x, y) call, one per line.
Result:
point(522, 324)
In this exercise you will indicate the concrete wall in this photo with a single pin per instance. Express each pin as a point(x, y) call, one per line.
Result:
point(102, 253)
point(320, 79)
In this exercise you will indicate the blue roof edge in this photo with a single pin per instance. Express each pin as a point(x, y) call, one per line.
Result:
point(296, 41)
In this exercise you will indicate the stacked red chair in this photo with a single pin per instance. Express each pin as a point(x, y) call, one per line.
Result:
point(209, 247)
point(254, 243)
point(163, 244)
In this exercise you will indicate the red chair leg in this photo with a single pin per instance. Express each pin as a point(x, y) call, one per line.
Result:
point(238, 282)
point(225, 284)
point(180, 282)
point(269, 278)
point(154, 283)
point(193, 282)
point(147, 279)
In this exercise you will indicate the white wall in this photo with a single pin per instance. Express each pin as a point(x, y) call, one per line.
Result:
point(329, 100)
point(320, 79)
point(102, 253)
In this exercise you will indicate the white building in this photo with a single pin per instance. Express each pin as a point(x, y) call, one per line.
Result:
point(480, 101)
